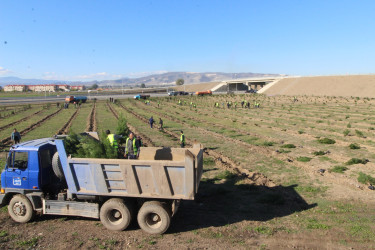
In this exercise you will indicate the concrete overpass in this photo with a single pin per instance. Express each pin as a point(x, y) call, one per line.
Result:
point(256, 83)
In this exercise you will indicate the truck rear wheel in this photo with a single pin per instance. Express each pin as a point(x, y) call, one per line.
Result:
point(20, 209)
point(154, 217)
point(116, 215)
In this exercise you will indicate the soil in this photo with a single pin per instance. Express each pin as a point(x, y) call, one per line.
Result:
point(354, 85)
point(91, 121)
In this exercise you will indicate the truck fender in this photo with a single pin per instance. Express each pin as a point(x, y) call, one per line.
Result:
point(36, 201)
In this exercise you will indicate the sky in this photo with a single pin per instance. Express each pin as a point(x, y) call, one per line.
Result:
point(91, 39)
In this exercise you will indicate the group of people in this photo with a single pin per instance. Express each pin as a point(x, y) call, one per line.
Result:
point(132, 145)
point(151, 121)
point(244, 104)
point(192, 105)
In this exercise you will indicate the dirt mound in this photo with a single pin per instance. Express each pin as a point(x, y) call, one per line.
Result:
point(353, 85)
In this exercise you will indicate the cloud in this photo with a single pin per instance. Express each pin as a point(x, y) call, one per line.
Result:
point(92, 76)
point(4, 71)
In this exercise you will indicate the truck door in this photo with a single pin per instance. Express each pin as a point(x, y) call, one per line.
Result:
point(17, 174)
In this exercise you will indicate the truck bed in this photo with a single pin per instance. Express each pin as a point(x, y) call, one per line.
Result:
point(166, 173)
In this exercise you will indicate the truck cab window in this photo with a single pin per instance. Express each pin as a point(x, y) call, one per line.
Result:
point(20, 160)
point(45, 158)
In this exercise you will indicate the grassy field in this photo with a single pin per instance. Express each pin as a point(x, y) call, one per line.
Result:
point(284, 175)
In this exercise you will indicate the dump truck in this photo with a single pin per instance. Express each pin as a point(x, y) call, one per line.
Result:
point(71, 99)
point(138, 97)
point(40, 178)
point(201, 93)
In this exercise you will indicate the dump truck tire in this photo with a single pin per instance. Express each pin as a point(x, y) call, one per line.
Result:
point(20, 209)
point(116, 214)
point(154, 217)
point(57, 167)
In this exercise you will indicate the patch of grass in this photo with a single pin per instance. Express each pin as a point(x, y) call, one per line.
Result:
point(304, 159)
point(349, 125)
point(208, 161)
point(314, 224)
point(319, 153)
point(288, 146)
point(354, 146)
point(326, 141)
point(363, 232)
point(310, 189)
point(3, 233)
point(225, 175)
point(261, 230)
point(353, 161)
point(359, 133)
point(301, 132)
point(29, 243)
point(338, 169)
point(366, 179)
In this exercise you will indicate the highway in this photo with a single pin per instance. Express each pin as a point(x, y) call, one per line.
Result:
point(33, 100)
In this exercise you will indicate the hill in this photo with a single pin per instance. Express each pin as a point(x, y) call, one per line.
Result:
point(189, 77)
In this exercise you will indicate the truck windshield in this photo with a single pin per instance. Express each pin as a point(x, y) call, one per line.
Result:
point(18, 160)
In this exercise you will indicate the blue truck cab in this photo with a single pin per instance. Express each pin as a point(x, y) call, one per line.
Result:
point(28, 167)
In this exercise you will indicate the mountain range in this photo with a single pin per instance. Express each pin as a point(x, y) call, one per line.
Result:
point(151, 80)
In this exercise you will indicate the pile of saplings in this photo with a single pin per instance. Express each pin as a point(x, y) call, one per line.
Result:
point(84, 146)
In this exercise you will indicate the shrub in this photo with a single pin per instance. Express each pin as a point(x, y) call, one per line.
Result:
point(268, 143)
point(301, 132)
point(284, 151)
point(349, 125)
point(88, 147)
point(288, 146)
point(326, 141)
point(303, 159)
point(354, 146)
point(122, 128)
point(359, 133)
point(338, 169)
point(346, 132)
point(319, 153)
point(366, 179)
point(353, 161)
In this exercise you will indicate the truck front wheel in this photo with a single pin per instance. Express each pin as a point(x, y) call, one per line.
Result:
point(115, 214)
point(20, 209)
point(154, 217)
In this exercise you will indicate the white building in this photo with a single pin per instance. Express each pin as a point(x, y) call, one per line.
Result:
point(11, 88)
